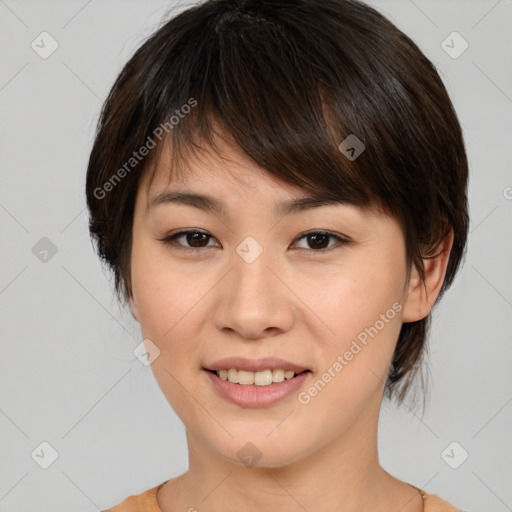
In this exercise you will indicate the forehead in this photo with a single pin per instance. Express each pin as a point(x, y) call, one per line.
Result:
point(218, 173)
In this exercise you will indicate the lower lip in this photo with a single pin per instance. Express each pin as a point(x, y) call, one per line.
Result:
point(257, 396)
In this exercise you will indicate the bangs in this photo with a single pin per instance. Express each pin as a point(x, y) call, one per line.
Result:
point(256, 86)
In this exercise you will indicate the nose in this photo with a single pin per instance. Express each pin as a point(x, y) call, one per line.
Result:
point(254, 299)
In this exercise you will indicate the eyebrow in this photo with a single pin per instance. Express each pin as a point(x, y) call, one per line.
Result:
point(211, 204)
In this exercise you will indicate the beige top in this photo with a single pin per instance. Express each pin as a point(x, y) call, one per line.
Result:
point(146, 502)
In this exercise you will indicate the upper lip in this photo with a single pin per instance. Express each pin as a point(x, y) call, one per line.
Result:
point(255, 365)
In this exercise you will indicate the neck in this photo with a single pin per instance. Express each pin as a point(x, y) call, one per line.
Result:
point(343, 475)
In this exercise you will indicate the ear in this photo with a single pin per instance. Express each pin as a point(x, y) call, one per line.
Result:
point(421, 297)
point(133, 308)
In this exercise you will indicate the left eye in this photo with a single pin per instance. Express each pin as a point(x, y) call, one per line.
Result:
point(318, 241)
point(195, 238)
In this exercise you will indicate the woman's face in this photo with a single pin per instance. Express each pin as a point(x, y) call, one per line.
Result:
point(249, 285)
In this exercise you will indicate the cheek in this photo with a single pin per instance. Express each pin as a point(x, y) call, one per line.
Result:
point(168, 302)
point(164, 299)
point(358, 295)
point(361, 307)
point(154, 293)
point(168, 297)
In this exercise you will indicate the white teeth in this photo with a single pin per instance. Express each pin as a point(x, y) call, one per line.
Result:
point(262, 378)
point(245, 377)
point(277, 375)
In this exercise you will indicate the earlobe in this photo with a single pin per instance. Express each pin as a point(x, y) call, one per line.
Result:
point(421, 296)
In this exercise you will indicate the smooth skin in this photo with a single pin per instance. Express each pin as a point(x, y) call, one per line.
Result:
point(295, 301)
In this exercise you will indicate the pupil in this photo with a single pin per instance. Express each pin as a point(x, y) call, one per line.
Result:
point(315, 237)
point(194, 238)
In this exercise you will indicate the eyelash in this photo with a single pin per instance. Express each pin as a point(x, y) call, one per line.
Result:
point(170, 240)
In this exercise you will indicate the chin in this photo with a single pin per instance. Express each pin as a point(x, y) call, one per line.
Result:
point(261, 451)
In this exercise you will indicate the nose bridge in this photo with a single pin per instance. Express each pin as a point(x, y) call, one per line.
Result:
point(253, 298)
point(252, 276)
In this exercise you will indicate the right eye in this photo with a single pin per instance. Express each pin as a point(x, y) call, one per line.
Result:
point(194, 238)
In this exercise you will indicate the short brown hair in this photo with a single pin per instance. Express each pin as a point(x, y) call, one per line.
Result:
point(289, 81)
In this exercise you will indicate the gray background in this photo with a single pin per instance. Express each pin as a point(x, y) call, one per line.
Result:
point(68, 374)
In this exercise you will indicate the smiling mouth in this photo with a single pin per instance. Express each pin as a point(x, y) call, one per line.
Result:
point(260, 378)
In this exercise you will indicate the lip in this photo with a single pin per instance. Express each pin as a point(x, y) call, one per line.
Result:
point(256, 396)
point(256, 365)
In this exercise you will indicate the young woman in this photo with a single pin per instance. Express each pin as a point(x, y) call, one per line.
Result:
point(280, 189)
